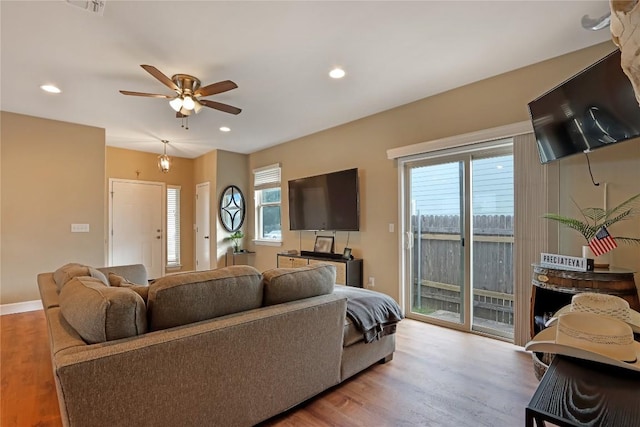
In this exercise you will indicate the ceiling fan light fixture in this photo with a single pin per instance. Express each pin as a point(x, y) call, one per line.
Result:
point(176, 103)
point(197, 106)
point(164, 161)
point(188, 102)
point(188, 93)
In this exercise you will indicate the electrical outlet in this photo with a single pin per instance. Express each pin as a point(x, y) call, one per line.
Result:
point(372, 282)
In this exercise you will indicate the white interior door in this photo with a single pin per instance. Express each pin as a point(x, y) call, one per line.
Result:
point(203, 237)
point(137, 225)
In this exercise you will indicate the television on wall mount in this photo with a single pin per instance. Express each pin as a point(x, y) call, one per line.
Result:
point(593, 109)
point(325, 202)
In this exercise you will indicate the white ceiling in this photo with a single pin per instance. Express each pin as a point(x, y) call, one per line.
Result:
point(279, 54)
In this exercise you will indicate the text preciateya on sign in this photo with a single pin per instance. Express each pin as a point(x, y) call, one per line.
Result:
point(565, 262)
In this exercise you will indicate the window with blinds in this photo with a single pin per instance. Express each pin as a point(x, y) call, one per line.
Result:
point(266, 185)
point(173, 226)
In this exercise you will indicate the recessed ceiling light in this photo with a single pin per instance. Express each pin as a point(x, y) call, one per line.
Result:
point(225, 129)
point(337, 73)
point(50, 89)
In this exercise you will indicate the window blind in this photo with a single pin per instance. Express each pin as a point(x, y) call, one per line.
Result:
point(266, 177)
point(536, 188)
point(173, 226)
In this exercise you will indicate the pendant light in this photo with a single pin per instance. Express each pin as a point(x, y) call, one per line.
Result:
point(164, 161)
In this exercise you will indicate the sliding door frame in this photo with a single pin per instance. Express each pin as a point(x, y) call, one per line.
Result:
point(465, 155)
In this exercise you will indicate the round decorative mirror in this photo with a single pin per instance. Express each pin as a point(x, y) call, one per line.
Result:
point(232, 208)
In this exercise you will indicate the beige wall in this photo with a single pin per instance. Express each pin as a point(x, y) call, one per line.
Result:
point(221, 168)
point(363, 143)
point(232, 169)
point(618, 169)
point(130, 164)
point(52, 176)
point(55, 173)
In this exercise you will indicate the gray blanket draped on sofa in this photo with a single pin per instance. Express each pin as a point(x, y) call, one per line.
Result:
point(373, 313)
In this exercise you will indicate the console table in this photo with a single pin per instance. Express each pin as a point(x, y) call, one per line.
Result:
point(575, 393)
point(238, 258)
point(348, 271)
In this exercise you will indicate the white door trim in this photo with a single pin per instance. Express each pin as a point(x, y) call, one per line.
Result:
point(202, 261)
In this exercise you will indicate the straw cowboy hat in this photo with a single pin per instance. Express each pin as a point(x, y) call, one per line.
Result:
point(591, 337)
point(602, 304)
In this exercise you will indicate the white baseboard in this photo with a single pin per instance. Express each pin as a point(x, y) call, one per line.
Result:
point(20, 307)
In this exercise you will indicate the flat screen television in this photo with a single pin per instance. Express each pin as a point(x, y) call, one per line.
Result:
point(325, 202)
point(593, 109)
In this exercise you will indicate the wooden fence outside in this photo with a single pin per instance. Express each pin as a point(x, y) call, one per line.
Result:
point(437, 263)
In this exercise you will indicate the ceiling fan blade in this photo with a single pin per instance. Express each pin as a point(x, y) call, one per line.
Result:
point(161, 77)
point(214, 88)
point(219, 106)
point(152, 95)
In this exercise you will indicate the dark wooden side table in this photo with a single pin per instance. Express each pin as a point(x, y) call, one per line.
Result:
point(580, 393)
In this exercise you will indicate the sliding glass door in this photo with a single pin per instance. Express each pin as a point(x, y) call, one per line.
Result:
point(458, 258)
point(437, 232)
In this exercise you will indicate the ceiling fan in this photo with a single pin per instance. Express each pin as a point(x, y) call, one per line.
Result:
point(188, 93)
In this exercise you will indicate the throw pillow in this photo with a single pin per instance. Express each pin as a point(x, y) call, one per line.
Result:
point(102, 313)
point(289, 284)
point(185, 298)
point(67, 272)
point(96, 274)
point(121, 282)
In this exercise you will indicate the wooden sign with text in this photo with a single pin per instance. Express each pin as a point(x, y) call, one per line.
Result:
point(565, 262)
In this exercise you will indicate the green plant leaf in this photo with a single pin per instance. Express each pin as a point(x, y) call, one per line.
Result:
point(596, 218)
point(632, 203)
point(627, 240)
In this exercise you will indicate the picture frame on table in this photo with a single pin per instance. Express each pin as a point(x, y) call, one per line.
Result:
point(324, 244)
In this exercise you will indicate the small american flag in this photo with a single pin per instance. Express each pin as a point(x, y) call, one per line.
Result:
point(602, 242)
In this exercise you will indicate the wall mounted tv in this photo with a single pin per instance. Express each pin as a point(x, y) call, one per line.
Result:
point(593, 109)
point(325, 202)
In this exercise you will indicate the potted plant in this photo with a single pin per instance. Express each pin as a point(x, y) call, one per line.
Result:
point(236, 237)
point(593, 219)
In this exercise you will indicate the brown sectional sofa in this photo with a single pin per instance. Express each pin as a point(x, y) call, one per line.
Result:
point(225, 347)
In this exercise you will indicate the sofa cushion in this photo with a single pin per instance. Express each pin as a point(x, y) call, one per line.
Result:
point(121, 282)
point(135, 273)
point(102, 313)
point(351, 333)
point(67, 272)
point(97, 274)
point(289, 284)
point(185, 298)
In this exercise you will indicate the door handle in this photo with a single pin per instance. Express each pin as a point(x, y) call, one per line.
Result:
point(206, 237)
point(158, 237)
point(409, 240)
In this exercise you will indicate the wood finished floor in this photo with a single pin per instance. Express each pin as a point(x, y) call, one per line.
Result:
point(438, 377)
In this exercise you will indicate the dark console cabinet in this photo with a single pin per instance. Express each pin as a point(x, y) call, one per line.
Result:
point(348, 272)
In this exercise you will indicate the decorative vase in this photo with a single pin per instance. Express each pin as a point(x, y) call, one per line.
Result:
point(601, 261)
